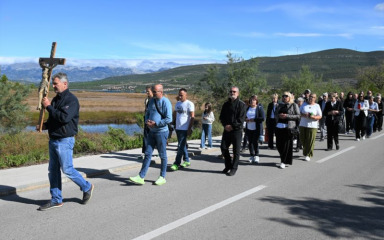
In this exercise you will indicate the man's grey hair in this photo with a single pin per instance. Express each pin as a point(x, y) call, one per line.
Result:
point(61, 76)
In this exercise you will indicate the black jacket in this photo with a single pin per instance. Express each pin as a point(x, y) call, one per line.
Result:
point(63, 115)
point(233, 113)
point(328, 107)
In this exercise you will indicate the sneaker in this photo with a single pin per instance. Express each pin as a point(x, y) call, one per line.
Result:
point(257, 159)
point(142, 156)
point(137, 180)
point(174, 167)
point(88, 195)
point(282, 166)
point(209, 148)
point(363, 137)
point(185, 164)
point(50, 205)
point(160, 181)
point(206, 147)
point(251, 159)
point(307, 158)
point(358, 139)
point(201, 148)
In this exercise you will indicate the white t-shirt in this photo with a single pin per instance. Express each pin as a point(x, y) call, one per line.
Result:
point(251, 114)
point(315, 110)
point(183, 114)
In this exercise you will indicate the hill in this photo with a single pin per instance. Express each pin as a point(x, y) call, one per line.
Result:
point(334, 64)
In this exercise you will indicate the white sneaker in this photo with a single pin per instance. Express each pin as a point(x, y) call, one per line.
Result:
point(294, 141)
point(251, 159)
point(257, 159)
point(282, 166)
point(364, 138)
point(209, 148)
point(307, 158)
point(358, 139)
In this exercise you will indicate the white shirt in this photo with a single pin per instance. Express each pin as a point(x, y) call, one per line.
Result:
point(210, 118)
point(251, 114)
point(315, 110)
point(183, 114)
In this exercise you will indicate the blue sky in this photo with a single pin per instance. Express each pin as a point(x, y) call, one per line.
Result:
point(199, 30)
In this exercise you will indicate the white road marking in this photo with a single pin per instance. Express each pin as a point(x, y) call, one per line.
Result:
point(196, 215)
point(336, 154)
point(378, 136)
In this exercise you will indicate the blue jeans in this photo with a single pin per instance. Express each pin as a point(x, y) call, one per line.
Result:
point(181, 146)
point(159, 140)
point(207, 131)
point(60, 155)
point(370, 122)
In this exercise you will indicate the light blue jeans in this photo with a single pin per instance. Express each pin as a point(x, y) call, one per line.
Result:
point(159, 140)
point(207, 131)
point(369, 124)
point(181, 146)
point(60, 156)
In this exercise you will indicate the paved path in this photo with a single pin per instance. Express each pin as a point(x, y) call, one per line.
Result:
point(16, 180)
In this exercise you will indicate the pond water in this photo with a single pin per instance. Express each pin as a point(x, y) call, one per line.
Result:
point(130, 129)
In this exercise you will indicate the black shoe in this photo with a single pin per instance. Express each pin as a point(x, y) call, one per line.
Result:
point(337, 147)
point(328, 149)
point(88, 195)
point(225, 170)
point(232, 172)
point(50, 205)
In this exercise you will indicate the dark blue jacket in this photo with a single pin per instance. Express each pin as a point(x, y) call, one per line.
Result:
point(63, 115)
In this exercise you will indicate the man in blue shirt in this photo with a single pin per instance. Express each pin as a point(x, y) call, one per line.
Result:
point(157, 118)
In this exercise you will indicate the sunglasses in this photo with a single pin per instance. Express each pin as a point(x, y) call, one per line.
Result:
point(285, 96)
point(232, 91)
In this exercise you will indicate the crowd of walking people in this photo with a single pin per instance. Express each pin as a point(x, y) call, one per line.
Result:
point(288, 120)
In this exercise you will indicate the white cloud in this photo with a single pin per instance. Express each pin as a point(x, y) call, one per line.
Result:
point(344, 35)
point(298, 9)
point(12, 60)
point(379, 7)
point(178, 50)
point(251, 35)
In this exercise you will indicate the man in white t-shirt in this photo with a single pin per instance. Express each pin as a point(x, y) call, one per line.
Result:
point(184, 116)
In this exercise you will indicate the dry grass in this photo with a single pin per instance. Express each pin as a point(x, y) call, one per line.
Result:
point(101, 107)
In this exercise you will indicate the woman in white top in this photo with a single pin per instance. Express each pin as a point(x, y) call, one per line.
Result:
point(373, 109)
point(310, 113)
point(254, 124)
point(361, 112)
point(207, 120)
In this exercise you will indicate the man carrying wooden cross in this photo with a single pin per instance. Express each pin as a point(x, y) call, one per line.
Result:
point(62, 127)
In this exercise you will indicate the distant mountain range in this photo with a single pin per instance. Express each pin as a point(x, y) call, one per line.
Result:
point(341, 65)
point(88, 70)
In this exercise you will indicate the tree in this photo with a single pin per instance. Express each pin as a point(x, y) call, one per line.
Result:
point(244, 74)
point(371, 78)
point(12, 109)
point(305, 80)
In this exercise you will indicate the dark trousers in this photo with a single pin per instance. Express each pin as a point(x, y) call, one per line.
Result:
point(145, 141)
point(360, 123)
point(348, 121)
point(284, 144)
point(332, 133)
point(253, 139)
point(271, 126)
point(378, 125)
point(228, 139)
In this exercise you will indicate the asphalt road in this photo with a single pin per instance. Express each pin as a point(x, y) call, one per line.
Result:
point(337, 195)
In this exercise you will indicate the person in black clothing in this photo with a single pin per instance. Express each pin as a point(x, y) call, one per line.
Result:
point(348, 105)
point(271, 121)
point(62, 127)
point(333, 111)
point(379, 115)
point(148, 91)
point(232, 117)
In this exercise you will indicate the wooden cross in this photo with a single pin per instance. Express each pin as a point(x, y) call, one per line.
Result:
point(47, 65)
